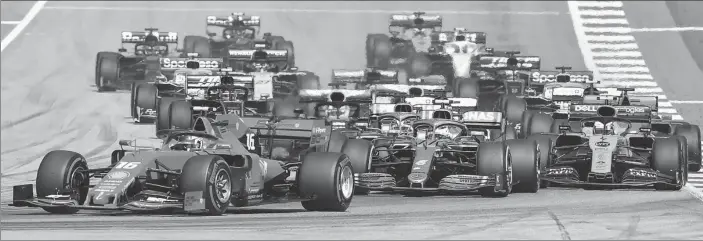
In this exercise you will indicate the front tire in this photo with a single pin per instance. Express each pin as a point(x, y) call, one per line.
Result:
point(494, 159)
point(197, 172)
point(360, 152)
point(329, 178)
point(525, 160)
point(60, 172)
point(667, 159)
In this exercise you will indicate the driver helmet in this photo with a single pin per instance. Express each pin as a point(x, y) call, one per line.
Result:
point(151, 40)
point(599, 128)
point(236, 33)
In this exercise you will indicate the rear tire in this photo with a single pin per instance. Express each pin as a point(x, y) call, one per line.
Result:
point(513, 108)
point(494, 159)
point(693, 141)
point(163, 121)
point(336, 142)
point(197, 44)
point(667, 159)
point(288, 46)
point(329, 178)
point(107, 70)
point(468, 88)
point(181, 115)
point(539, 123)
point(59, 173)
point(378, 51)
point(216, 195)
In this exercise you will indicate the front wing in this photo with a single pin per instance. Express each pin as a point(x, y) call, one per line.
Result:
point(453, 184)
point(632, 178)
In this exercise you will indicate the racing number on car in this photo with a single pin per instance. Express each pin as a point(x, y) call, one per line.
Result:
point(250, 141)
point(206, 81)
point(126, 165)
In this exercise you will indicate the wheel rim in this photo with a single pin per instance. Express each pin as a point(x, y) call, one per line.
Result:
point(346, 182)
point(223, 189)
point(76, 182)
point(509, 176)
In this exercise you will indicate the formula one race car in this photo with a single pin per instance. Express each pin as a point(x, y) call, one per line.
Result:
point(342, 109)
point(419, 47)
point(363, 78)
point(236, 32)
point(606, 152)
point(443, 156)
point(111, 68)
point(170, 84)
point(263, 62)
point(645, 110)
point(220, 162)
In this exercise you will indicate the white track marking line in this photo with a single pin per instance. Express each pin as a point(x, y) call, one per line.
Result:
point(686, 101)
point(10, 22)
point(586, 12)
point(675, 29)
point(353, 11)
point(22, 24)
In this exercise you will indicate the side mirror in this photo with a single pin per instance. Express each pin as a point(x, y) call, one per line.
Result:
point(645, 130)
point(122, 50)
point(211, 34)
point(293, 68)
point(125, 142)
point(298, 111)
point(564, 128)
point(221, 123)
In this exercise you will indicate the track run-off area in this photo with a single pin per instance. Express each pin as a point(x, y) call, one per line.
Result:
point(48, 102)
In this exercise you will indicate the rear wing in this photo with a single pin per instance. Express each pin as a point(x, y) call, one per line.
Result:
point(341, 77)
point(415, 21)
point(169, 64)
point(551, 76)
point(501, 63)
point(327, 95)
point(461, 35)
point(234, 20)
point(429, 80)
point(267, 55)
point(404, 90)
point(481, 118)
point(623, 111)
point(140, 36)
point(652, 102)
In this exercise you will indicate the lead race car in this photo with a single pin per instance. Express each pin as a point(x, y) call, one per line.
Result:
point(115, 70)
point(219, 163)
point(237, 31)
point(605, 152)
point(442, 156)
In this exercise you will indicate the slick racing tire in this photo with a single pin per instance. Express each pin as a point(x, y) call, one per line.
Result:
point(145, 96)
point(195, 180)
point(378, 51)
point(667, 159)
point(197, 44)
point(133, 101)
point(181, 115)
point(420, 66)
point(525, 160)
point(163, 121)
point(693, 140)
point(279, 43)
point(309, 81)
point(107, 71)
point(684, 153)
point(61, 172)
point(494, 159)
point(508, 133)
point(360, 153)
point(336, 142)
point(544, 145)
point(467, 88)
point(329, 179)
point(513, 108)
point(534, 123)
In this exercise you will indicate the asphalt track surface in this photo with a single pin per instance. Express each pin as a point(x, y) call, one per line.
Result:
point(48, 103)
